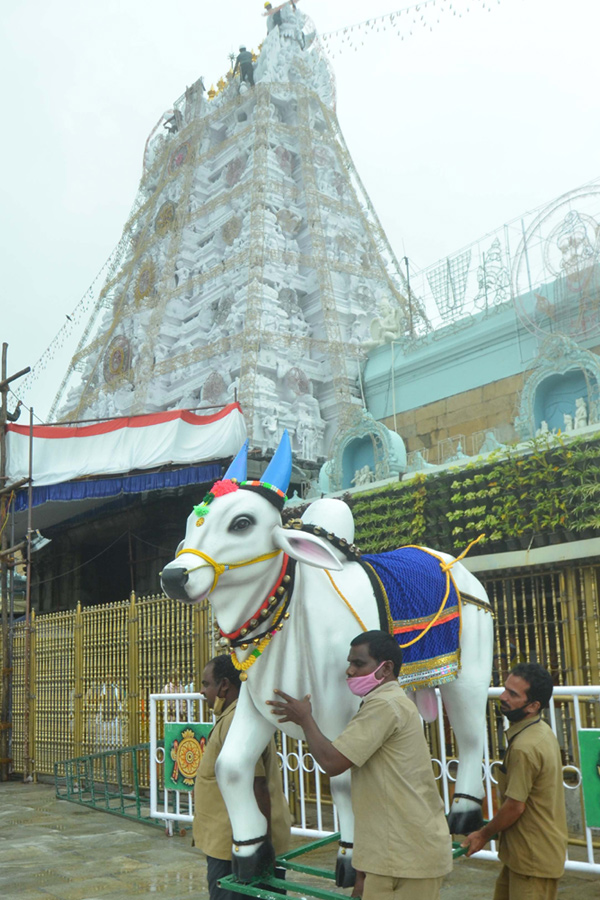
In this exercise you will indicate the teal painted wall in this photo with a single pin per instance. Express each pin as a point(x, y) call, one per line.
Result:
point(476, 351)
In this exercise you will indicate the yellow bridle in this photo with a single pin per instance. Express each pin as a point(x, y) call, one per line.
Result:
point(219, 568)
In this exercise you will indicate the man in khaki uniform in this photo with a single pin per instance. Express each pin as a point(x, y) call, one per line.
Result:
point(531, 822)
point(211, 827)
point(401, 842)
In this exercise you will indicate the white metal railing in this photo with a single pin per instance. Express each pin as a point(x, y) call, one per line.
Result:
point(189, 707)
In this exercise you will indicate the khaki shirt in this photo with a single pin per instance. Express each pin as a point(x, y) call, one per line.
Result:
point(400, 828)
point(532, 773)
point(211, 828)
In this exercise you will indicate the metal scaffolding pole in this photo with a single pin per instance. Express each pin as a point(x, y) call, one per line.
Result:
point(5, 563)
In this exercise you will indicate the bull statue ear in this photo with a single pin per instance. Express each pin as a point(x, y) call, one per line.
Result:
point(279, 470)
point(239, 465)
point(306, 548)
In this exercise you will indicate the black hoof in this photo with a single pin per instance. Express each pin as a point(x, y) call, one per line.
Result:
point(259, 863)
point(345, 873)
point(465, 822)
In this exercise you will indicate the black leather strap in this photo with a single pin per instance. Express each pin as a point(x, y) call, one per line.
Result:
point(469, 797)
point(251, 841)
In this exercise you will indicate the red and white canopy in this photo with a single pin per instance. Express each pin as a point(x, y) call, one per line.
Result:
point(64, 452)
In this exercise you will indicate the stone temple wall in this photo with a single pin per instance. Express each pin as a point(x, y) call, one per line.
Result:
point(468, 414)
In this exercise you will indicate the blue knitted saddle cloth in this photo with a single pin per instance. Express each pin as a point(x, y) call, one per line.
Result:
point(411, 587)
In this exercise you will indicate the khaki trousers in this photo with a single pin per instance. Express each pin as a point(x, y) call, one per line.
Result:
point(386, 887)
point(511, 886)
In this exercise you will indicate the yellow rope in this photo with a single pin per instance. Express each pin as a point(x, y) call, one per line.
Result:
point(219, 568)
point(352, 610)
point(445, 567)
point(258, 649)
point(10, 500)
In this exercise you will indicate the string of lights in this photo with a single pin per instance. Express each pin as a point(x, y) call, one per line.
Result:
point(25, 407)
point(71, 321)
point(403, 22)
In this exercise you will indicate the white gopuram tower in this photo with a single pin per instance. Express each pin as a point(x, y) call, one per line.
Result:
point(252, 265)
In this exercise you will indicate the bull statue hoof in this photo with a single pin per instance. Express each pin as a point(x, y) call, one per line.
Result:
point(345, 873)
point(259, 862)
point(465, 822)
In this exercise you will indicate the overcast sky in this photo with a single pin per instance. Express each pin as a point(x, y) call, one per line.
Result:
point(453, 130)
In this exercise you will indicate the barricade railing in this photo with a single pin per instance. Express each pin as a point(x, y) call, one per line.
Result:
point(108, 781)
point(307, 789)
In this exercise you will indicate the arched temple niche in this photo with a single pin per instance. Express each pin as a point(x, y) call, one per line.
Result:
point(564, 374)
point(556, 395)
point(364, 453)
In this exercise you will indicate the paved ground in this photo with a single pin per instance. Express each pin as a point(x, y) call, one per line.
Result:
point(53, 849)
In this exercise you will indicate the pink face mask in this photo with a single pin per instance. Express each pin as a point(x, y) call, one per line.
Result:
point(361, 685)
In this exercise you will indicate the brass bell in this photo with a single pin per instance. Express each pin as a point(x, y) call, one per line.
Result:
point(243, 677)
point(286, 615)
point(243, 646)
point(280, 590)
point(253, 623)
point(243, 632)
point(272, 601)
point(286, 579)
point(224, 642)
point(265, 614)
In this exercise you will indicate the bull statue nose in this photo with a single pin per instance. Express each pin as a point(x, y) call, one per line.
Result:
point(173, 581)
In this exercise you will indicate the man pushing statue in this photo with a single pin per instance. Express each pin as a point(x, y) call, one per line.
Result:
point(532, 821)
point(402, 846)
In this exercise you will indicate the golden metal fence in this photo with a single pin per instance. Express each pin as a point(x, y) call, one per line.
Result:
point(552, 617)
point(92, 670)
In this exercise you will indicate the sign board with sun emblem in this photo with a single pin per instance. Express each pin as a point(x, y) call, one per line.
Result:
point(184, 746)
point(589, 749)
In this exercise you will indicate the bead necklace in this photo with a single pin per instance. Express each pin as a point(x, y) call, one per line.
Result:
point(277, 625)
point(350, 551)
point(263, 611)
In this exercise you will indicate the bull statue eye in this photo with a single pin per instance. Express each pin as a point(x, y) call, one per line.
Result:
point(242, 523)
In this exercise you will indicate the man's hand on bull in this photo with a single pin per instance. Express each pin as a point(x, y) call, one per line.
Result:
point(290, 709)
point(300, 712)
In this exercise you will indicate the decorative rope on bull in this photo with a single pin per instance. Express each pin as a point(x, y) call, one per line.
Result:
point(403, 582)
point(417, 593)
point(445, 567)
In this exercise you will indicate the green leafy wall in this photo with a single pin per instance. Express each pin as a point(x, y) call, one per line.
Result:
point(548, 492)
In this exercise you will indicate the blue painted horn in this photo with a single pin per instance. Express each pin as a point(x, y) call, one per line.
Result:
point(239, 465)
point(279, 471)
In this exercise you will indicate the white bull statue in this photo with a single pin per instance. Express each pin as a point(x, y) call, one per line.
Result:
point(288, 601)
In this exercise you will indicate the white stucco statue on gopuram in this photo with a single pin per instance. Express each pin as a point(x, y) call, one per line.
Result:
point(278, 596)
